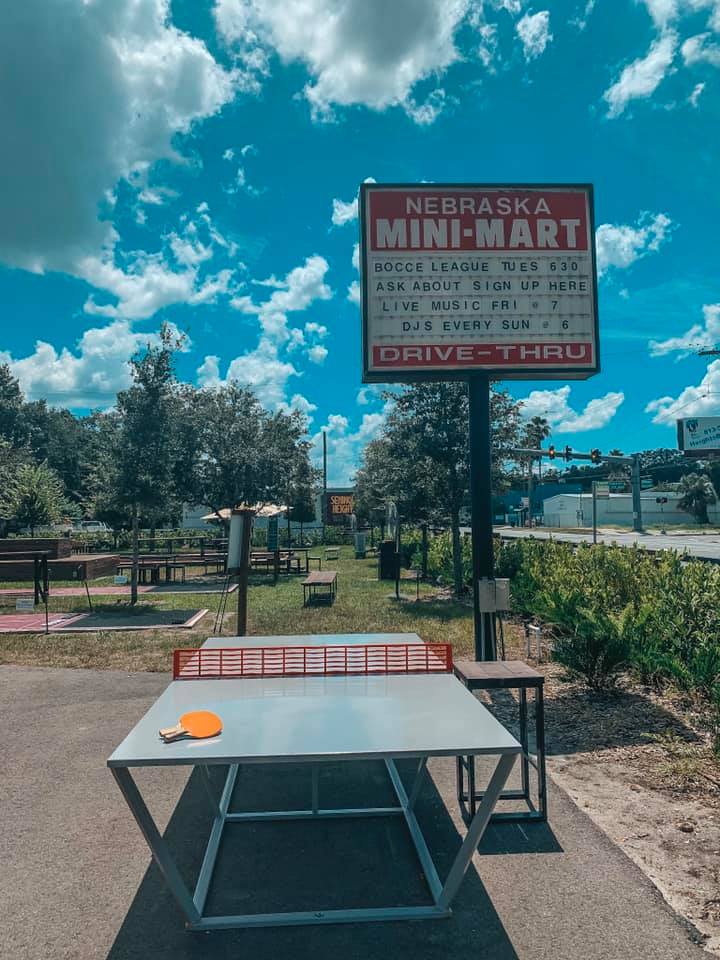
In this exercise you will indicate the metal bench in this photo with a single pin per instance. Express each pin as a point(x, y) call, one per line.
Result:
point(507, 675)
point(320, 586)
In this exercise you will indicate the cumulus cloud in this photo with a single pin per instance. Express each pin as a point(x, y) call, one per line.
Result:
point(554, 406)
point(70, 134)
point(698, 401)
point(345, 212)
point(620, 245)
point(301, 287)
point(696, 94)
point(641, 78)
point(534, 32)
point(701, 49)
point(266, 369)
point(366, 52)
point(88, 376)
point(700, 336)
point(345, 444)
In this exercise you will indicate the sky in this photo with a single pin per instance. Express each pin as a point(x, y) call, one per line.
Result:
point(198, 163)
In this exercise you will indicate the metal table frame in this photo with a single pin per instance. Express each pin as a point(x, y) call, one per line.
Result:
point(193, 905)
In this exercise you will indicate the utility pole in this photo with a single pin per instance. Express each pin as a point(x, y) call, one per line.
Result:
point(635, 483)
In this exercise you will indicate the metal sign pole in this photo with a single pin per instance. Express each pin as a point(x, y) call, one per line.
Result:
point(636, 502)
point(481, 506)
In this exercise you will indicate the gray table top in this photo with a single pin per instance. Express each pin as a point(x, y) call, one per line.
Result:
point(312, 640)
point(318, 718)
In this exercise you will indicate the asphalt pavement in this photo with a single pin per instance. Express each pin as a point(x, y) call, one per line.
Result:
point(76, 879)
point(706, 547)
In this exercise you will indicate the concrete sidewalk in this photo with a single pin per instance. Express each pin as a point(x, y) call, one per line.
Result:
point(76, 882)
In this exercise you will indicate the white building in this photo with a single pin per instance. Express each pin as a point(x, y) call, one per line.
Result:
point(575, 510)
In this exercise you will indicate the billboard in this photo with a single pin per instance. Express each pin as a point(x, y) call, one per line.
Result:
point(468, 278)
point(338, 507)
point(699, 435)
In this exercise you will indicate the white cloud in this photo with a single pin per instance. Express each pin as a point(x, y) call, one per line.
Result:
point(700, 49)
point(692, 401)
point(700, 336)
point(554, 406)
point(301, 287)
point(261, 369)
point(641, 78)
point(696, 94)
point(429, 110)
point(353, 293)
point(106, 90)
point(356, 52)
point(534, 32)
point(318, 353)
point(662, 11)
point(265, 369)
point(345, 212)
point(620, 245)
point(301, 404)
point(88, 376)
point(345, 445)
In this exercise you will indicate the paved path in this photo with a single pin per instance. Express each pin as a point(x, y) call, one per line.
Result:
point(76, 880)
point(704, 547)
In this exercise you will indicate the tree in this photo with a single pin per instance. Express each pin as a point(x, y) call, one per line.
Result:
point(34, 496)
point(536, 430)
point(143, 464)
point(697, 493)
point(244, 453)
point(12, 422)
point(423, 455)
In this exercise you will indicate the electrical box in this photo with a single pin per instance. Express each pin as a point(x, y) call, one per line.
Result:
point(494, 595)
point(502, 594)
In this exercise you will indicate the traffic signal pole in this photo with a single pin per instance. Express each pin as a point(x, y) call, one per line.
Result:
point(595, 456)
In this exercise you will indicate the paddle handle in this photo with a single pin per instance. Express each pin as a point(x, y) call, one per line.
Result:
point(173, 733)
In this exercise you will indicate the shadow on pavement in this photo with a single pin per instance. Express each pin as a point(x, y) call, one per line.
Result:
point(324, 864)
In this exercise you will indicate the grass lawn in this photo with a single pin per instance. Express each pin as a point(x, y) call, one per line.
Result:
point(363, 605)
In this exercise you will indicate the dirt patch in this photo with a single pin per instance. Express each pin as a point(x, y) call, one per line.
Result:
point(640, 764)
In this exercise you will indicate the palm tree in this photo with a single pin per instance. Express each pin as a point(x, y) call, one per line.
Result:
point(537, 429)
point(697, 493)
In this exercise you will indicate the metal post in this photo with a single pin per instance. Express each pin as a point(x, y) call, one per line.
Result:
point(530, 492)
point(243, 575)
point(424, 531)
point(324, 499)
point(481, 506)
point(636, 505)
point(594, 510)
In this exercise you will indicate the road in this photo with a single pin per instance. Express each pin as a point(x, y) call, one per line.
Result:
point(704, 547)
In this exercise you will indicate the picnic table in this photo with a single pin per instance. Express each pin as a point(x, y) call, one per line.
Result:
point(320, 585)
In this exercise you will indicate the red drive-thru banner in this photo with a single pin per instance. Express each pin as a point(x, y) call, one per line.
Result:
point(460, 278)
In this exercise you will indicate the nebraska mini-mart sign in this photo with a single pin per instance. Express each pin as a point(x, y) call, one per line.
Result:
point(469, 278)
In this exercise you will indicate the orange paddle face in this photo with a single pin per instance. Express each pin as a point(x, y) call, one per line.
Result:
point(198, 724)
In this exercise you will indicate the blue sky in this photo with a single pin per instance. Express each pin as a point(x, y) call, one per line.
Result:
point(197, 163)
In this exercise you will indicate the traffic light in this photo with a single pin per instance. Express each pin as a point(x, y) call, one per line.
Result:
point(551, 451)
point(568, 454)
point(595, 455)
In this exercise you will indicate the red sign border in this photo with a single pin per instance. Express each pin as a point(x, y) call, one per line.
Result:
point(404, 375)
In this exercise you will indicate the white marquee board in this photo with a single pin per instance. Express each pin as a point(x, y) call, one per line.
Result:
point(469, 278)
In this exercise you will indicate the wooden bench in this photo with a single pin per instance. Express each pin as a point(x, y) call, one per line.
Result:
point(332, 553)
point(508, 675)
point(317, 560)
point(320, 586)
point(143, 570)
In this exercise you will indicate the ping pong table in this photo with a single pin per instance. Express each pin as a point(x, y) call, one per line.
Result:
point(316, 700)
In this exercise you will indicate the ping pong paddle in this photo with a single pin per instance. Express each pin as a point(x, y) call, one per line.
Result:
point(198, 724)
